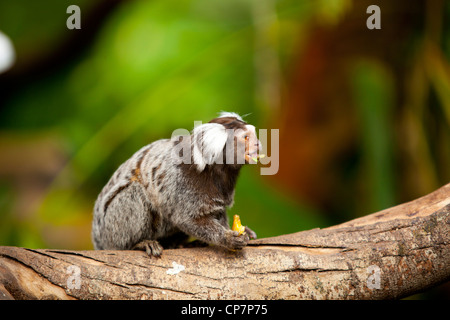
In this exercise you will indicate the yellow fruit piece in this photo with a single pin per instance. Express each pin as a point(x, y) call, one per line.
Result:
point(237, 226)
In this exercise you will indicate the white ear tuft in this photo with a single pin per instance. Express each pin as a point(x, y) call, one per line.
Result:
point(209, 140)
point(230, 114)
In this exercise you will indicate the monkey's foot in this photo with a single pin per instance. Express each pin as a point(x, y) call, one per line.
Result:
point(152, 247)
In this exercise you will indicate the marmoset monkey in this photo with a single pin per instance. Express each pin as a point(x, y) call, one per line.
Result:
point(175, 188)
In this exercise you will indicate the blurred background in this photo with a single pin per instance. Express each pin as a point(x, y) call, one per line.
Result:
point(364, 115)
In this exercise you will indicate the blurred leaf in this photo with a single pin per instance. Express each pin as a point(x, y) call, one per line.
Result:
point(331, 11)
point(438, 70)
point(373, 92)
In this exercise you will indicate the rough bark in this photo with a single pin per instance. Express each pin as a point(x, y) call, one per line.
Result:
point(389, 254)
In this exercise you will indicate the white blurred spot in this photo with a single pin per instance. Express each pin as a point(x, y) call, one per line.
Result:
point(176, 268)
point(7, 54)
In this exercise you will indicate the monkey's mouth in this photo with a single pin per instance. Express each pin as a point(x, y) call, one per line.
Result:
point(253, 157)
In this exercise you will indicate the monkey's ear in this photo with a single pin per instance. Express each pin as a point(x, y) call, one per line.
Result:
point(209, 140)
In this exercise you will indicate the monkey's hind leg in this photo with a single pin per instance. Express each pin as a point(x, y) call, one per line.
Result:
point(151, 247)
point(127, 222)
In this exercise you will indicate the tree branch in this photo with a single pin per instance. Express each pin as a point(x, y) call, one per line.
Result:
point(389, 254)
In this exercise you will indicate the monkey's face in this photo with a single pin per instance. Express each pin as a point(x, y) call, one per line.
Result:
point(247, 144)
point(225, 140)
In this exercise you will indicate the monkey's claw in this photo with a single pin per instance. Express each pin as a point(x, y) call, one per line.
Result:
point(250, 232)
point(236, 241)
point(151, 247)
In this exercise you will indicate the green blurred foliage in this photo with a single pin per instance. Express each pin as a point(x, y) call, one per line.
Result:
point(154, 66)
point(372, 86)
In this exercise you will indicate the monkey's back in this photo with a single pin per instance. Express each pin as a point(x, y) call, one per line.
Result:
point(134, 204)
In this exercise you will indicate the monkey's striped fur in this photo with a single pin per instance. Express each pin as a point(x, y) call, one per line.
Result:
point(153, 199)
